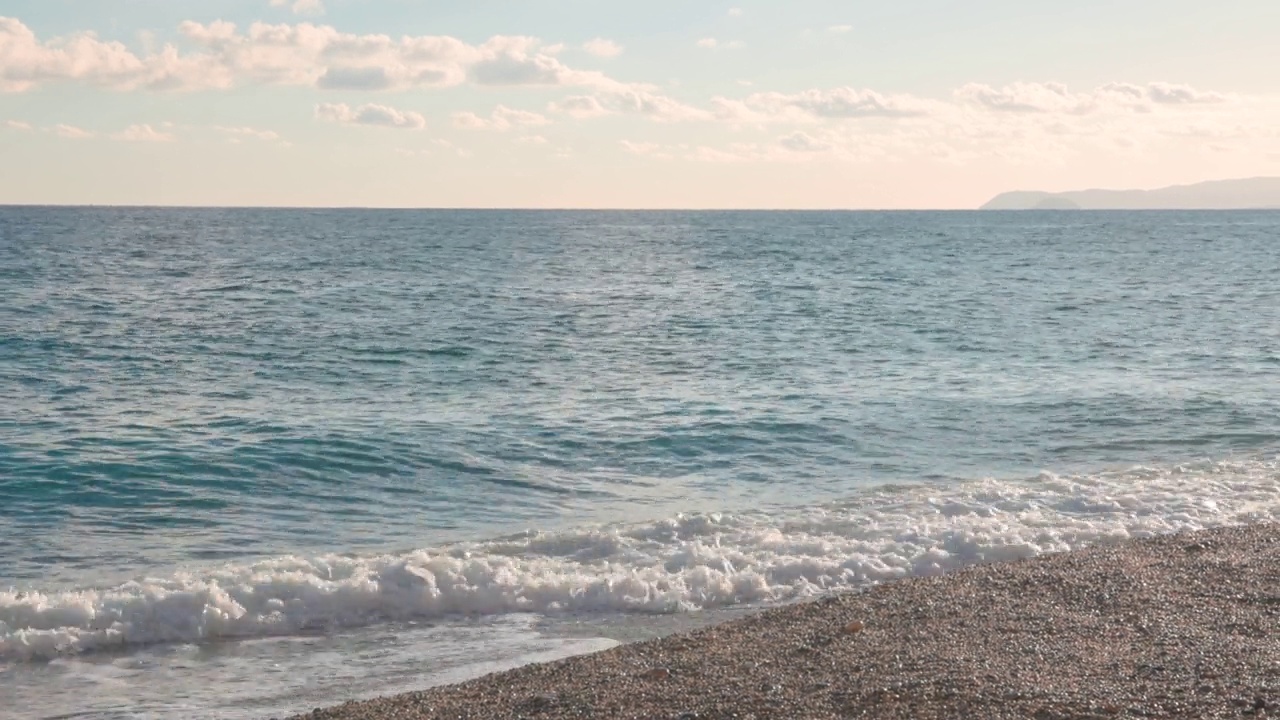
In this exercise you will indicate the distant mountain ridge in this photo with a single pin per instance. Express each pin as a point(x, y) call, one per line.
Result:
point(1243, 194)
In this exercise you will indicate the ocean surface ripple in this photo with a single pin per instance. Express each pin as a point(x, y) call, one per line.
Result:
point(228, 424)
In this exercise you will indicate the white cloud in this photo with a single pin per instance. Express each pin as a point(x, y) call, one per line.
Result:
point(18, 125)
point(224, 56)
point(708, 43)
point(1022, 124)
point(515, 61)
point(71, 132)
point(142, 133)
point(652, 105)
point(602, 48)
point(1168, 93)
point(301, 7)
point(980, 108)
point(813, 105)
point(630, 100)
point(1052, 97)
point(1022, 97)
point(248, 132)
point(848, 102)
point(1033, 125)
point(738, 112)
point(370, 114)
point(800, 141)
point(502, 118)
point(520, 61)
point(25, 62)
point(580, 106)
point(735, 12)
point(236, 135)
point(840, 29)
point(532, 140)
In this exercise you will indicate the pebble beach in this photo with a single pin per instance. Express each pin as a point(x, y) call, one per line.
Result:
point(1179, 626)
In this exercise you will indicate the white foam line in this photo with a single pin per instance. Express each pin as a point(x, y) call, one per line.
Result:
point(683, 563)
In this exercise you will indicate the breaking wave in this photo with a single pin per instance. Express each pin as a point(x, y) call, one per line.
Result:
point(678, 564)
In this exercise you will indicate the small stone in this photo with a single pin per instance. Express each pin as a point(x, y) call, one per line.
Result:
point(854, 627)
point(538, 703)
point(657, 674)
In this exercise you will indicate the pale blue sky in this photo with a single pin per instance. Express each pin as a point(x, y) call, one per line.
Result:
point(810, 103)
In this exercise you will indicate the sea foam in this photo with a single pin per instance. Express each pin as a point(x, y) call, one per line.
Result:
point(678, 564)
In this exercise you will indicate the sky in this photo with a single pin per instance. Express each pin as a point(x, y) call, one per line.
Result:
point(657, 104)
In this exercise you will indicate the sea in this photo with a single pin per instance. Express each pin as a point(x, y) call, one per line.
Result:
point(254, 461)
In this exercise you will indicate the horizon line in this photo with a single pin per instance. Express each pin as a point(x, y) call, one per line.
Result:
point(487, 208)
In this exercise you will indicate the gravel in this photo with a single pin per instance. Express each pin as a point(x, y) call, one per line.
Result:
point(1180, 626)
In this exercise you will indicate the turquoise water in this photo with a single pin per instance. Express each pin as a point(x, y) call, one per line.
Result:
point(254, 425)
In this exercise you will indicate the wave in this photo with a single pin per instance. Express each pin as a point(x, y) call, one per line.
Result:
point(674, 565)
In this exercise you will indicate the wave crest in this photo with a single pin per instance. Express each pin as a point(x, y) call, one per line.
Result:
point(673, 565)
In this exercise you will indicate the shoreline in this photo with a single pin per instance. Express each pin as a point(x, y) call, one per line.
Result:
point(1176, 626)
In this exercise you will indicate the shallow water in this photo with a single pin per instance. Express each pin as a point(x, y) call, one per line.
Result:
point(233, 440)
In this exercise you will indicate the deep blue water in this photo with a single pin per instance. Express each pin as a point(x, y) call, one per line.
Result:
point(186, 389)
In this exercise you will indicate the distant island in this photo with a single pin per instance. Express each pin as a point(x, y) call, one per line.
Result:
point(1245, 194)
